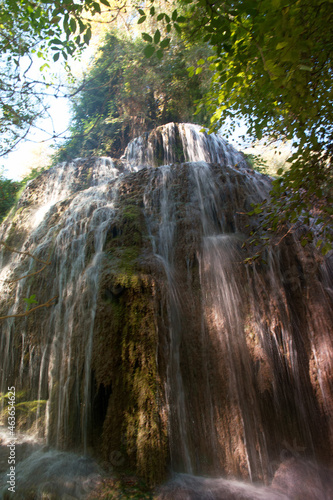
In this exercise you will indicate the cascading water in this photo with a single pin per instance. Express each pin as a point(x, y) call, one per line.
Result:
point(74, 283)
point(163, 250)
point(59, 366)
point(159, 343)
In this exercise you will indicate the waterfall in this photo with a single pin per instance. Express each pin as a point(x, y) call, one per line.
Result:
point(154, 341)
point(163, 244)
point(78, 239)
point(184, 142)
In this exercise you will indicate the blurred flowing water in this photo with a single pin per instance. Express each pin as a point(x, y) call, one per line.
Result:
point(244, 353)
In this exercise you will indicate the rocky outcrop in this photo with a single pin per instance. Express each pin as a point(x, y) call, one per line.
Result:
point(161, 348)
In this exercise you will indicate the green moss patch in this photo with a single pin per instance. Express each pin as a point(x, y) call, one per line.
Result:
point(26, 412)
point(125, 352)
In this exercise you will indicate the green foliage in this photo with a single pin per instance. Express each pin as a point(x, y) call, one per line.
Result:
point(30, 301)
point(25, 411)
point(273, 67)
point(8, 191)
point(29, 32)
point(28, 27)
point(126, 94)
point(32, 174)
point(258, 163)
point(294, 208)
point(270, 159)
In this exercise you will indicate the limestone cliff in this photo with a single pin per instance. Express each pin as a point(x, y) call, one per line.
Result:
point(161, 346)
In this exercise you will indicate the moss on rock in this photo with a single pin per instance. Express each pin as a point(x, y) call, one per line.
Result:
point(125, 350)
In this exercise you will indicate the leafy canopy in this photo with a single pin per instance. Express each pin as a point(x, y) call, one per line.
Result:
point(31, 30)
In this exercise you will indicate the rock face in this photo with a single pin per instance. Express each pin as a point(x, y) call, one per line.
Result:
point(161, 349)
point(300, 479)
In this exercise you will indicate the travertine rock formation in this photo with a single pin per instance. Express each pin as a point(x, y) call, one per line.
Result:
point(160, 346)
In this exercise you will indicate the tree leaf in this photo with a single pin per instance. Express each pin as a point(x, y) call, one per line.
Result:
point(157, 36)
point(97, 7)
point(147, 37)
point(149, 50)
point(165, 43)
point(303, 67)
point(87, 36)
point(29, 301)
point(258, 210)
point(72, 25)
point(326, 248)
point(82, 26)
point(191, 71)
point(281, 45)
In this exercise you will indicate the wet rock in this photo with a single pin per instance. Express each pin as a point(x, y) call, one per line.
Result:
point(186, 487)
point(303, 479)
point(163, 348)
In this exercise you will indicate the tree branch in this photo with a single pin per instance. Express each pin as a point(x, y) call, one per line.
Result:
point(21, 315)
point(10, 249)
point(28, 275)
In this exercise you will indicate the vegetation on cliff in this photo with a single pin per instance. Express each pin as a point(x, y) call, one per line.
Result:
point(126, 94)
point(126, 326)
point(8, 191)
point(11, 190)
